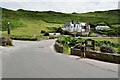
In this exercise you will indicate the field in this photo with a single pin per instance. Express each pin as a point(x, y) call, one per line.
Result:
point(113, 40)
point(28, 23)
point(34, 28)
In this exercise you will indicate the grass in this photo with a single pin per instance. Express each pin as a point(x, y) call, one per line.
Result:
point(100, 16)
point(66, 49)
point(92, 34)
point(117, 49)
point(34, 28)
point(110, 16)
point(28, 23)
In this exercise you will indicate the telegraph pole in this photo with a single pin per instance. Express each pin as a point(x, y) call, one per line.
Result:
point(9, 41)
point(8, 29)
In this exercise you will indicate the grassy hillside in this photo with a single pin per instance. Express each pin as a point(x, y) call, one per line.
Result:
point(24, 23)
point(32, 27)
point(28, 23)
point(111, 17)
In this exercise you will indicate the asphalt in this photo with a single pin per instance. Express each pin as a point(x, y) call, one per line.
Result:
point(39, 60)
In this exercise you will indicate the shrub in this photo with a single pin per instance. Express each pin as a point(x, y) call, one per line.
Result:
point(7, 41)
point(78, 46)
point(58, 40)
point(2, 41)
point(66, 33)
point(106, 43)
point(118, 52)
point(59, 30)
point(72, 43)
point(52, 37)
point(46, 34)
point(42, 31)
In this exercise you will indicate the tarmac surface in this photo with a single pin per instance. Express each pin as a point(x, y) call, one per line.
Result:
point(28, 59)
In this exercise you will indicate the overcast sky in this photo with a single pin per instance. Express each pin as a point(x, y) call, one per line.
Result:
point(66, 6)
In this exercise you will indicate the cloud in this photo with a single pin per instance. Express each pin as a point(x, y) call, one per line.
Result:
point(59, 0)
point(63, 6)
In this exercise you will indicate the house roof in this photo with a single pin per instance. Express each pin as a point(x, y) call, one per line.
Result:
point(102, 27)
point(74, 23)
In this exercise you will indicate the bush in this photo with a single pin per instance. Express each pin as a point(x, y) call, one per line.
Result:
point(70, 41)
point(46, 34)
point(9, 42)
point(52, 37)
point(66, 33)
point(59, 30)
point(106, 43)
point(42, 31)
point(2, 41)
point(6, 41)
point(78, 46)
point(118, 52)
point(107, 49)
point(72, 44)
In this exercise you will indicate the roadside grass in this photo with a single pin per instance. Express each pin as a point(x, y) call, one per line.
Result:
point(66, 49)
point(92, 34)
point(117, 49)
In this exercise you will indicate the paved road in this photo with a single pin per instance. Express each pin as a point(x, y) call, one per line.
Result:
point(39, 60)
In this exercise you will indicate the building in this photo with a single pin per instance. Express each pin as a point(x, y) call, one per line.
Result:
point(77, 27)
point(102, 27)
point(54, 34)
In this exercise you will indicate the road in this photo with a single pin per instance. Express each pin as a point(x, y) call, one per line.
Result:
point(98, 35)
point(39, 60)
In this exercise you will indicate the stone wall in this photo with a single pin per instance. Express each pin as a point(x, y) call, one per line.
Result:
point(109, 57)
point(58, 47)
point(115, 58)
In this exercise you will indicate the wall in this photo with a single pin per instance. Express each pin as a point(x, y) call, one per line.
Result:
point(115, 58)
point(58, 47)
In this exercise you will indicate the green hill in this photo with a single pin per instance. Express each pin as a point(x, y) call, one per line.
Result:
point(24, 23)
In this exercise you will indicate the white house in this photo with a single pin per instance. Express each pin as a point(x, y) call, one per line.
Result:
point(54, 34)
point(102, 27)
point(76, 27)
